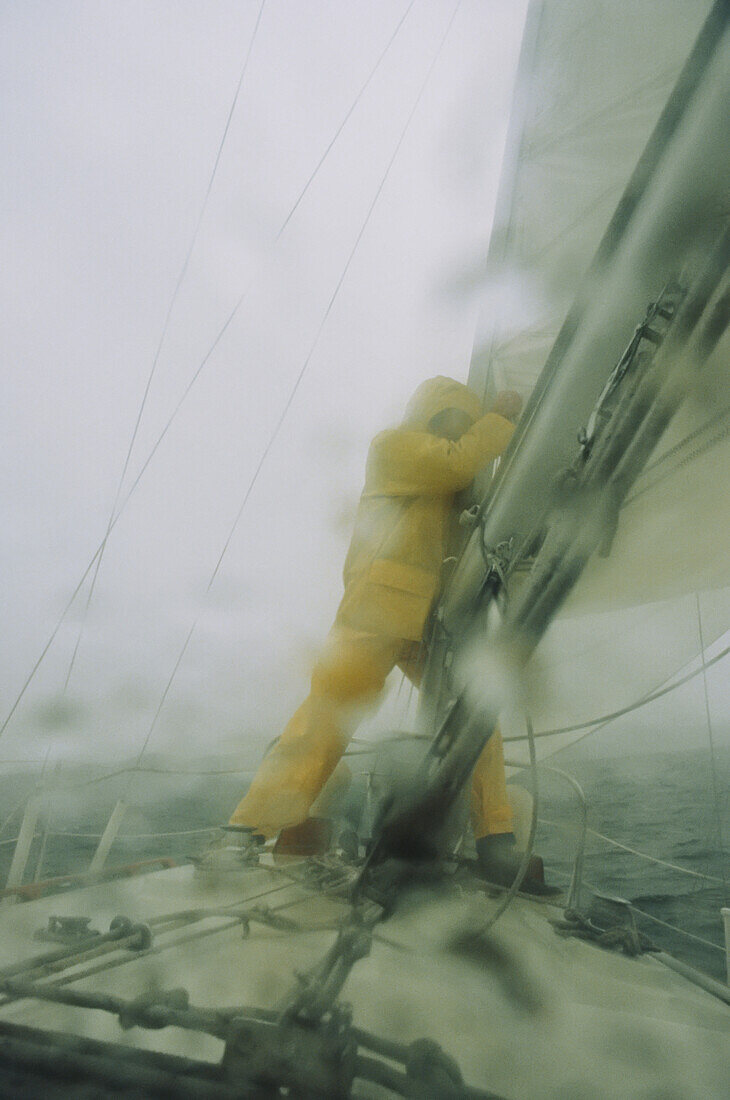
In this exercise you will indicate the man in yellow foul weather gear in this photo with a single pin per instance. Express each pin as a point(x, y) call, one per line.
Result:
point(392, 576)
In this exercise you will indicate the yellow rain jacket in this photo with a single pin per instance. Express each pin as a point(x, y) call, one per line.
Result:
point(392, 570)
point(392, 575)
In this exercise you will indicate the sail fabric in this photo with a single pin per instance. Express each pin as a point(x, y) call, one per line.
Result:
point(594, 77)
point(594, 665)
point(673, 530)
point(631, 623)
point(591, 87)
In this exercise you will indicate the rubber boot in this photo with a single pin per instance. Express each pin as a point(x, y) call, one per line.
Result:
point(312, 837)
point(499, 861)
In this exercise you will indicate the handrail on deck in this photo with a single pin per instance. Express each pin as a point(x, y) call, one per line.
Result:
point(576, 876)
point(29, 891)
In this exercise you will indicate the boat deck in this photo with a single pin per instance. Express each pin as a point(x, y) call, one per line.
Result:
point(524, 1011)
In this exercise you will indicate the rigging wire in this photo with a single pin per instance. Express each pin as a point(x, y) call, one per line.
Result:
point(599, 723)
point(676, 928)
point(713, 762)
point(657, 920)
point(720, 420)
point(344, 122)
point(511, 893)
point(232, 315)
point(166, 324)
point(280, 232)
point(636, 852)
point(300, 376)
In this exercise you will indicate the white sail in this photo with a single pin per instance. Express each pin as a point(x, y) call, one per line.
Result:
point(672, 536)
point(591, 667)
point(592, 86)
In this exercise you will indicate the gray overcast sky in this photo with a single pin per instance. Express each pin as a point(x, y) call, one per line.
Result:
point(112, 115)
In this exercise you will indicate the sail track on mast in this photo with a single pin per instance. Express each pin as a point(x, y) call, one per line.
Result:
point(599, 97)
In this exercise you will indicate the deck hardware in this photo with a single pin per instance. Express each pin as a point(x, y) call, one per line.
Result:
point(74, 951)
point(141, 933)
point(134, 1011)
point(624, 937)
point(120, 924)
point(311, 1057)
point(311, 1062)
point(663, 310)
point(498, 560)
point(65, 930)
point(317, 991)
point(428, 1065)
point(144, 938)
point(470, 516)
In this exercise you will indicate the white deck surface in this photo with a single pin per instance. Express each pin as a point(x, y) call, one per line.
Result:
point(533, 1015)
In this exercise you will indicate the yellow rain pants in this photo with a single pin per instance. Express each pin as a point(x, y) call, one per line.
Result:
point(392, 576)
point(346, 683)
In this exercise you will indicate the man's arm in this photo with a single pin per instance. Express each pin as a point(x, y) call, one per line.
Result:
point(412, 462)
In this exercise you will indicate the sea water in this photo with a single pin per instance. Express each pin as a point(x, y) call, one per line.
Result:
point(669, 806)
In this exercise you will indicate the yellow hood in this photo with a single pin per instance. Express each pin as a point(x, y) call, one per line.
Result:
point(437, 394)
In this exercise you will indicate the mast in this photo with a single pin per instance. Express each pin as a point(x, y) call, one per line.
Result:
point(614, 380)
point(660, 216)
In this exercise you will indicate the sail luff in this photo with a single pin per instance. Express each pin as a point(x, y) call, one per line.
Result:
point(668, 222)
point(649, 158)
point(480, 371)
point(631, 606)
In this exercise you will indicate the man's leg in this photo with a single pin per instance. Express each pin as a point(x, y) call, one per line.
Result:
point(347, 680)
point(492, 819)
point(491, 813)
